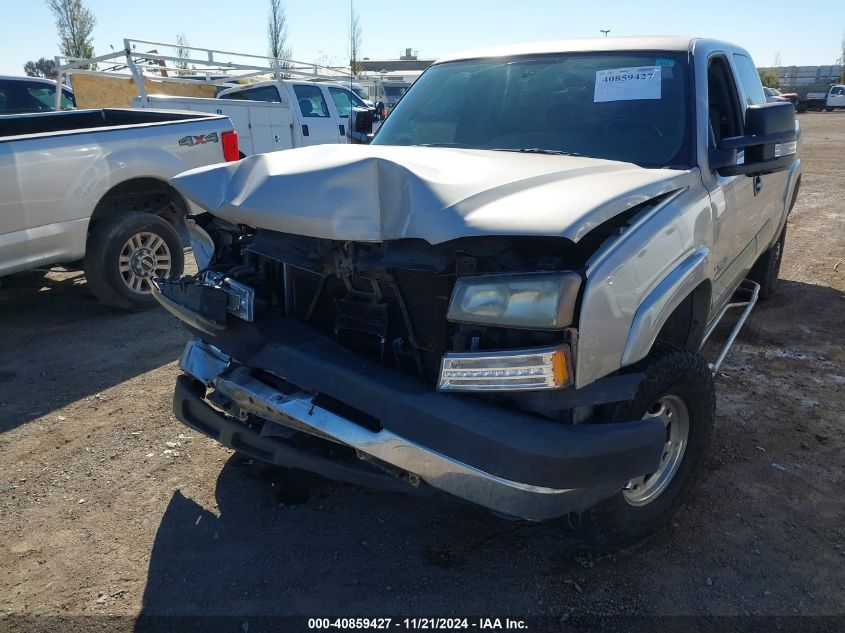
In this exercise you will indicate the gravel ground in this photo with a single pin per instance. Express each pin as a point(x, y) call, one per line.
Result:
point(111, 506)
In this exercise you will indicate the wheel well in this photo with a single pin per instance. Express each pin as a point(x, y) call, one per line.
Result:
point(794, 194)
point(142, 194)
point(687, 323)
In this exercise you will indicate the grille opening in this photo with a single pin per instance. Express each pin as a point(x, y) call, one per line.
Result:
point(411, 341)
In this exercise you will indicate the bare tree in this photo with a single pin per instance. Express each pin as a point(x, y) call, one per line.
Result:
point(182, 51)
point(42, 68)
point(777, 63)
point(277, 32)
point(75, 23)
point(355, 42)
point(329, 61)
point(842, 61)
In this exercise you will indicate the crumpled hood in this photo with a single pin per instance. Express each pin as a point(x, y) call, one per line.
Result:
point(376, 193)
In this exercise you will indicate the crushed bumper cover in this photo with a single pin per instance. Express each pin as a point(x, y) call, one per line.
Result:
point(509, 462)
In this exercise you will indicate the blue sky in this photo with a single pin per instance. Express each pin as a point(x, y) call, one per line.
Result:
point(803, 33)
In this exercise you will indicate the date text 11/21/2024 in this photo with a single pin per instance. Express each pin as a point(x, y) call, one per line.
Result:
point(482, 624)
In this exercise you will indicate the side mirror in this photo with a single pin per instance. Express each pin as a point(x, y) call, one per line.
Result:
point(769, 144)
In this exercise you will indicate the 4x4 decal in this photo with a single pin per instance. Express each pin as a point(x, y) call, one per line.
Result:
point(190, 141)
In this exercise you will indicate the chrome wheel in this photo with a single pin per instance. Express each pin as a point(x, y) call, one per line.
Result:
point(144, 256)
point(673, 412)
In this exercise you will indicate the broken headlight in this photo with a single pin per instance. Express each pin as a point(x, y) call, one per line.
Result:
point(540, 301)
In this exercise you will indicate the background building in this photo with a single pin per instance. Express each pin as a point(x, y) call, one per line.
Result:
point(803, 79)
point(407, 62)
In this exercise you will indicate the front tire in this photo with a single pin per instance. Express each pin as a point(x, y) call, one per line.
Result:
point(125, 252)
point(678, 389)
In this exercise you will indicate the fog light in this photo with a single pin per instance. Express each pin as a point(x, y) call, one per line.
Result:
point(510, 370)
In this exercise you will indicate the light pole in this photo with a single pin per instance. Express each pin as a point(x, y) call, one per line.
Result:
point(605, 31)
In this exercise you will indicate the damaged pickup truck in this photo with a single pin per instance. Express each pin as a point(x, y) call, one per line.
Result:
point(504, 295)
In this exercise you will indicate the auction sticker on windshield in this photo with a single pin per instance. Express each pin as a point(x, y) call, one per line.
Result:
point(627, 84)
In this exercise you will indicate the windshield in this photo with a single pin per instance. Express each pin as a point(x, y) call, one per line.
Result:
point(627, 106)
point(394, 92)
point(345, 100)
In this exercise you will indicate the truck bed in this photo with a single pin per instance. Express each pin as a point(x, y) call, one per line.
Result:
point(78, 121)
point(58, 169)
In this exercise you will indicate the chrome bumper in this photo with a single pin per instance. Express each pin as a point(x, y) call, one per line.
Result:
point(299, 412)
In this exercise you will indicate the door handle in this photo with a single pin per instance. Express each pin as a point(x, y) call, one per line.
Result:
point(758, 184)
point(342, 131)
point(304, 130)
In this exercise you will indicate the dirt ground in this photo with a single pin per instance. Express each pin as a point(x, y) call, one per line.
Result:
point(108, 505)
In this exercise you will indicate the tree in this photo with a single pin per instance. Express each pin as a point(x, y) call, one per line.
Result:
point(42, 68)
point(329, 61)
point(277, 32)
point(354, 43)
point(769, 77)
point(182, 51)
point(75, 23)
point(842, 61)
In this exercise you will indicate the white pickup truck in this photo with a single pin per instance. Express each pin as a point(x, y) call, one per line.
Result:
point(94, 184)
point(275, 115)
point(507, 308)
point(833, 99)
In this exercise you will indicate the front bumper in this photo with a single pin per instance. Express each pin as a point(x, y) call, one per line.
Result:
point(509, 462)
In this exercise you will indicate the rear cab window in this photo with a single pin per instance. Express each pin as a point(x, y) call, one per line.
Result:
point(269, 94)
point(42, 97)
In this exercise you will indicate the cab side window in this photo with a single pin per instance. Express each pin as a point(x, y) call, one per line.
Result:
point(341, 101)
point(749, 78)
point(723, 103)
point(311, 101)
point(269, 94)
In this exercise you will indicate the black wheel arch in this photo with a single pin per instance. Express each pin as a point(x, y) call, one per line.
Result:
point(147, 194)
point(686, 325)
